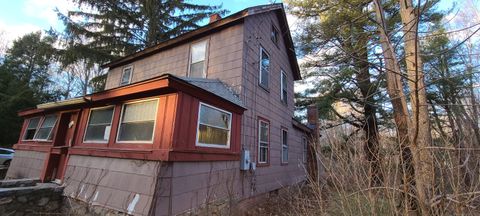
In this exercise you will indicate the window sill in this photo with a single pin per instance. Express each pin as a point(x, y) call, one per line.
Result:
point(264, 87)
point(263, 164)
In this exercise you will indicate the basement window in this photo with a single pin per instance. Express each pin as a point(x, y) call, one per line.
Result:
point(137, 122)
point(198, 53)
point(263, 141)
point(214, 127)
point(99, 125)
point(126, 75)
point(31, 128)
point(45, 130)
point(264, 68)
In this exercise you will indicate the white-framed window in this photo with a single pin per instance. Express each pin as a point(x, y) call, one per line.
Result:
point(198, 56)
point(213, 127)
point(99, 125)
point(305, 149)
point(284, 146)
point(44, 132)
point(283, 87)
point(31, 128)
point(264, 68)
point(126, 75)
point(274, 35)
point(263, 141)
point(137, 121)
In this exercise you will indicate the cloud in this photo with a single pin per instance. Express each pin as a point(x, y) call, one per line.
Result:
point(12, 32)
point(45, 10)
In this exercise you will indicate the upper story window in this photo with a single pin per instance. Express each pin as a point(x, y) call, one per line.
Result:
point(284, 146)
point(126, 75)
point(264, 68)
point(198, 52)
point(31, 128)
point(283, 87)
point(138, 121)
point(263, 141)
point(214, 127)
point(99, 125)
point(274, 35)
point(45, 130)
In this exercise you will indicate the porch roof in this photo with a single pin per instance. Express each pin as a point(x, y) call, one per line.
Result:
point(168, 82)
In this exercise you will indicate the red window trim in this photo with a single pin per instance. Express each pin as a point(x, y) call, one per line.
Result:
point(267, 163)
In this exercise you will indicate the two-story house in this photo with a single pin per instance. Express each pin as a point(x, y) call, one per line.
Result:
point(203, 117)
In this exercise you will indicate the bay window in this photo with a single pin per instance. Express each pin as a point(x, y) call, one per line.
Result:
point(99, 125)
point(137, 122)
point(214, 127)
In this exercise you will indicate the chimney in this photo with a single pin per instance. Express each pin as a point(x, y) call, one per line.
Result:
point(214, 17)
point(312, 118)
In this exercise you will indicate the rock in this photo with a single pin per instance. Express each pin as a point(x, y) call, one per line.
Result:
point(5, 200)
point(22, 199)
point(43, 201)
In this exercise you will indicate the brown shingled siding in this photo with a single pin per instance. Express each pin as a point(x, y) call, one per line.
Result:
point(26, 164)
point(224, 60)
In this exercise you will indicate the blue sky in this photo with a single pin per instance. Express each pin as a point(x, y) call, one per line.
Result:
point(18, 17)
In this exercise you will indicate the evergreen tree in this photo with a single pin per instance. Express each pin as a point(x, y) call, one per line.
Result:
point(24, 82)
point(102, 30)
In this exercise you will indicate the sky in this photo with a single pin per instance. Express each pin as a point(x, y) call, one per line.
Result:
point(18, 17)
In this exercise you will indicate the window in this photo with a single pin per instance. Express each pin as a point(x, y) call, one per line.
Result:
point(264, 68)
point(197, 59)
point(99, 125)
point(283, 86)
point(305, 149)
point(214, 127)
point(45, 130)
point(284, 146)
point(274, 35)
point(263, 141)
point(126, 75)
point(138, 121)
point(31, 128)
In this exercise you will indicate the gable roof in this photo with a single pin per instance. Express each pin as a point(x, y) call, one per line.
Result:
point(216, 26)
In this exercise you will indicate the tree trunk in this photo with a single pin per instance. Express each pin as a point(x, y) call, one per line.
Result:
point(400, 111)
point(370, 127)
point(420, 127)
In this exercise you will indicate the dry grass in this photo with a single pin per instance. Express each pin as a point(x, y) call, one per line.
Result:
point(343, 187)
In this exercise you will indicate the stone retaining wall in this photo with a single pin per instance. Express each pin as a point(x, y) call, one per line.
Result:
point(42, 198)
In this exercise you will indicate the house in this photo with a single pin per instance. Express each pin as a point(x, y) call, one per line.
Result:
point(200, 118)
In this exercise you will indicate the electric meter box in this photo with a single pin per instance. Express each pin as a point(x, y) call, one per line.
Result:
point(245, 160)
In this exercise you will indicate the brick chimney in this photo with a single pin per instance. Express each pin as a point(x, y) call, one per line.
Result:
point(312, 118)
point(214, 17)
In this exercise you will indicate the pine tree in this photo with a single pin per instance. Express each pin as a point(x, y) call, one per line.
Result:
point(103, 30)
